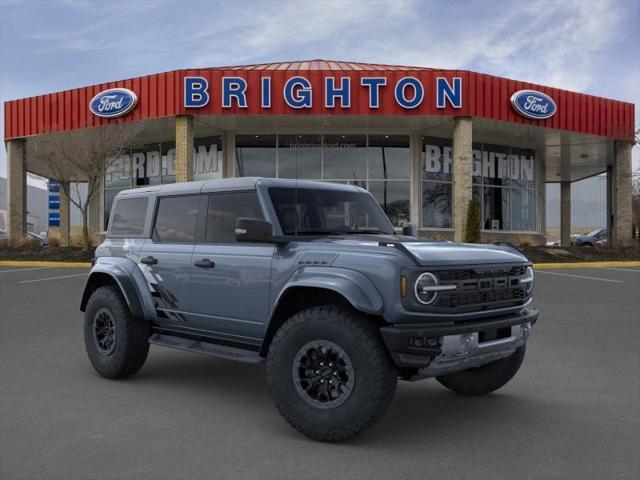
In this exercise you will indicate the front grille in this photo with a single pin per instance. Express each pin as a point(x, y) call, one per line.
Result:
point(481, 288)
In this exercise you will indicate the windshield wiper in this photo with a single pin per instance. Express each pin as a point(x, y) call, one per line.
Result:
point(373, 231)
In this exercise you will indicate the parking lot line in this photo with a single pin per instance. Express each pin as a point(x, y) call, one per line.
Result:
point(24, 269)
point(53, 278)
point(581, 276)
point(637, 270)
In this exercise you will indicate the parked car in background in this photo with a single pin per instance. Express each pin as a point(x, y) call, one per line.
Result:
point(590, 239)
point(42, 240)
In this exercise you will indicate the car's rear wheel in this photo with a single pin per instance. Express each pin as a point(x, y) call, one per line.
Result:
point(329, 372)
point(116, 343)
point(487, 378)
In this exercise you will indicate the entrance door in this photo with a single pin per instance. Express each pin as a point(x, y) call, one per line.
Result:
point(230, 281)
point(166, 258)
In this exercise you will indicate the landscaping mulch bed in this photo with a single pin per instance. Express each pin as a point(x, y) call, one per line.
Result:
point(580, 254)
point(43, 254)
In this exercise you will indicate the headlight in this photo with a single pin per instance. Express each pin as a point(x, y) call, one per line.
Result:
point(527, 280)
point(427, 287)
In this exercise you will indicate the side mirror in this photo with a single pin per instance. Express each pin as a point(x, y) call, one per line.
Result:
point(409, 229)
point(253, 230)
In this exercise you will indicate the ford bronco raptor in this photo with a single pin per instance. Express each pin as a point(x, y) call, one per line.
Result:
point(312, 279)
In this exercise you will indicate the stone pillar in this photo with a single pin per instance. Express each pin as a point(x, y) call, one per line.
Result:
point(16, 190)
point(621, 184)
point(229, 155)
point(565, 213)
point(184, 148)
point(462, 174)
point(65, 217)
point(415, 147)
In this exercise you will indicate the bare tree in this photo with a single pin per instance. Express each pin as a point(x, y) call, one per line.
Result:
point(82, 156)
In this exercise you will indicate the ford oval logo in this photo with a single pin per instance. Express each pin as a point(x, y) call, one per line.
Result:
point(533, 104)
point(114, 102)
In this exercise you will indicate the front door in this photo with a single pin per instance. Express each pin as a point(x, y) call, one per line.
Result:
point(230, 281)
point(165, 259)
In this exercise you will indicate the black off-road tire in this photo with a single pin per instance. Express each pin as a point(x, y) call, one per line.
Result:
point(129, 350)
point(487, 378)
point(374, 374)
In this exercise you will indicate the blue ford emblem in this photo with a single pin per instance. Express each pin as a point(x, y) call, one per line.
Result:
point(533, 104)
point(114, 102)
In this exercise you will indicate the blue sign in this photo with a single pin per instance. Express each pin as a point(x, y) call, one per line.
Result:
point(54, 187)
point(114, 102)
point(54, 204)
point(533, 104)
point(54, 219)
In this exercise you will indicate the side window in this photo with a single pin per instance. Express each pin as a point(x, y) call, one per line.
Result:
point(128, 217)
point(176, 219)
point(224, 209)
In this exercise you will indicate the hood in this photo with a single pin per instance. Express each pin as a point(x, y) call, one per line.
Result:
point(435, 253)
point(458, 254)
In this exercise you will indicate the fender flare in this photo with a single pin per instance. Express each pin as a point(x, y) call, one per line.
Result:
point(354, 286)
point(123, 273)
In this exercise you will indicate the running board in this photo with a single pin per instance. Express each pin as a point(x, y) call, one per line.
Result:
point(207, 348)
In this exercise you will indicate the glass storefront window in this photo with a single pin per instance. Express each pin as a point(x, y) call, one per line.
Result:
point(207, 160)
point(256, 155)
point(496, 208)
point(389, 157)
point(300, 156)
point(436, 204)
point(522, 209)
point(495, 165)
point(393, 197)
point(503, 184)
point(344, 157)
point(146, 163)
point(168, 162)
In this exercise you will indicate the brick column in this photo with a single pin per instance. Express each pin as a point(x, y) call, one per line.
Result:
point(184, 148)
point(416, 179)
point(65, 217)
point(229, 155)
point(565, 213)
point(462, 174)
point(16, 190)
point(621, 184)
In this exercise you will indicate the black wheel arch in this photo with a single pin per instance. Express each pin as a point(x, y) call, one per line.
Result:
point(123, 282)
point(297, 298)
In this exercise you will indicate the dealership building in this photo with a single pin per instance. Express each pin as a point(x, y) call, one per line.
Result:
point(423, 141)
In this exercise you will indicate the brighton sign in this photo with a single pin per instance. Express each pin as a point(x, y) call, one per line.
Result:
point(533, 104)
point(408, 92)
point(113, 103)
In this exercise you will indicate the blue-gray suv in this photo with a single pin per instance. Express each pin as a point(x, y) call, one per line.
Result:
point(312, 279)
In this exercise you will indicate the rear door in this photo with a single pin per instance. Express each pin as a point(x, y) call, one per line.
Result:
point(230, 281)
point(166, 258)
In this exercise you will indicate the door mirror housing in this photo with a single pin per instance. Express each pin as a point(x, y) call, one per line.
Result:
point(254, 230)
point(409, 229)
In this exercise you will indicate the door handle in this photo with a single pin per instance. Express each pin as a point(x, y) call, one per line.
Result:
point(149, 260)
point(204, 263)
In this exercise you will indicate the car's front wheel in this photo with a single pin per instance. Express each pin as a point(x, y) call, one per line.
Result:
point(329, 372)
point(116, 343)
point(487, 378)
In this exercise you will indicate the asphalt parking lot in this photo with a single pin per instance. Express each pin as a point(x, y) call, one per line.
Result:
point(572, 412)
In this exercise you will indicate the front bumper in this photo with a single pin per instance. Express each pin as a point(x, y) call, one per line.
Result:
point(445, 347)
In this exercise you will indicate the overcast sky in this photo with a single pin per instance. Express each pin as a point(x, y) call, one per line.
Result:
point(582, 45)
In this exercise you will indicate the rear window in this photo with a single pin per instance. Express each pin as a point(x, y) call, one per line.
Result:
point(176, 219)
point(128, 217)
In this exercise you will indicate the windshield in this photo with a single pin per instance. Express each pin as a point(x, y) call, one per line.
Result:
point(307, 211)
point(594, 233)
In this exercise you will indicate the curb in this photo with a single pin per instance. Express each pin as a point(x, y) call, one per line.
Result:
point(27, 263)
point(549, 266)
